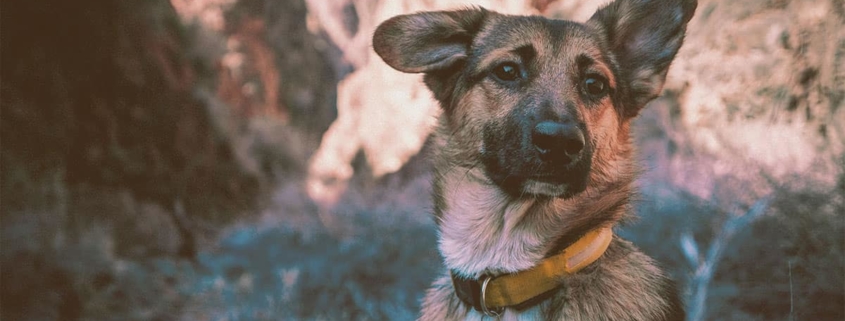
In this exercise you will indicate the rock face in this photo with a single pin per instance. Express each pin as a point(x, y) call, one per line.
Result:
point(100, 96)
point(104, 93)
point(138, 96)
point(759, 88)
point(117, 136)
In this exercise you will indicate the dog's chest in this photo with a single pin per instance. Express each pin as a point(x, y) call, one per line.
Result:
point(532, 314)
point(481, 231)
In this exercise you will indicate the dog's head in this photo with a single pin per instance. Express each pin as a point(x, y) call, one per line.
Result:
point(544, 105)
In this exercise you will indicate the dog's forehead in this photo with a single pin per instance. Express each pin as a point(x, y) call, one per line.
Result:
point(547, 38)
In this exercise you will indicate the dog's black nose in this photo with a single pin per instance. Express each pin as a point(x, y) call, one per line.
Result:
point(557, 141)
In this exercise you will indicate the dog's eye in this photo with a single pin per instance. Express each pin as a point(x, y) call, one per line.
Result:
point(595, 86)
point(507, 71)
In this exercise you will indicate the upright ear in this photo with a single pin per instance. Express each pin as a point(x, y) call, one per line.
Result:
point(427, 41)
point(644, 36)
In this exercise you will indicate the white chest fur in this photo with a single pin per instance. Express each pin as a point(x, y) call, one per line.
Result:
point(531, 314)
point(482, 230)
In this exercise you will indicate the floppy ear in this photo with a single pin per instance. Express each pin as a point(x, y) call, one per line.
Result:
point(427, 41)
point(644, 36)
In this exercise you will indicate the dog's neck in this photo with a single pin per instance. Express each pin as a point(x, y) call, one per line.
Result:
point(485, 231)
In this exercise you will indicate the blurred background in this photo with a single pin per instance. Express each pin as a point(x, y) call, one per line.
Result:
point(254, 160)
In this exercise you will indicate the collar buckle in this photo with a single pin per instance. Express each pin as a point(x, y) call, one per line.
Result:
point(495, 312)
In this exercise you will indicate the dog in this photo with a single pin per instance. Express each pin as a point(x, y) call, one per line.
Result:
point(533, 159)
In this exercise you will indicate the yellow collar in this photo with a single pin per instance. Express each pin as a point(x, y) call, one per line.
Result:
point(492, 294)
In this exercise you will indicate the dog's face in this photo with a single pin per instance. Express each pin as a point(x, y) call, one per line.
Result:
point(542, 105)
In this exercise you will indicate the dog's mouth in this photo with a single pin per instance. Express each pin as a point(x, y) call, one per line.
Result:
point(558, 183)
point(538, 187)
point(551, 178)
point(563, 185)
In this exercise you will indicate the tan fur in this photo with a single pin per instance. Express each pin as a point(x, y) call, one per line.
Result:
point(501, 204)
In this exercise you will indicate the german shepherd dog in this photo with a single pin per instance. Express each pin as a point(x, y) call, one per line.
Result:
point(533, 157)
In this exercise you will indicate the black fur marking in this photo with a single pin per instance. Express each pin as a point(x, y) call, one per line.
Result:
point(510, 159)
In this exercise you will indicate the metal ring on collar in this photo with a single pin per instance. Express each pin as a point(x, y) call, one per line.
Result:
point(489, 312)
